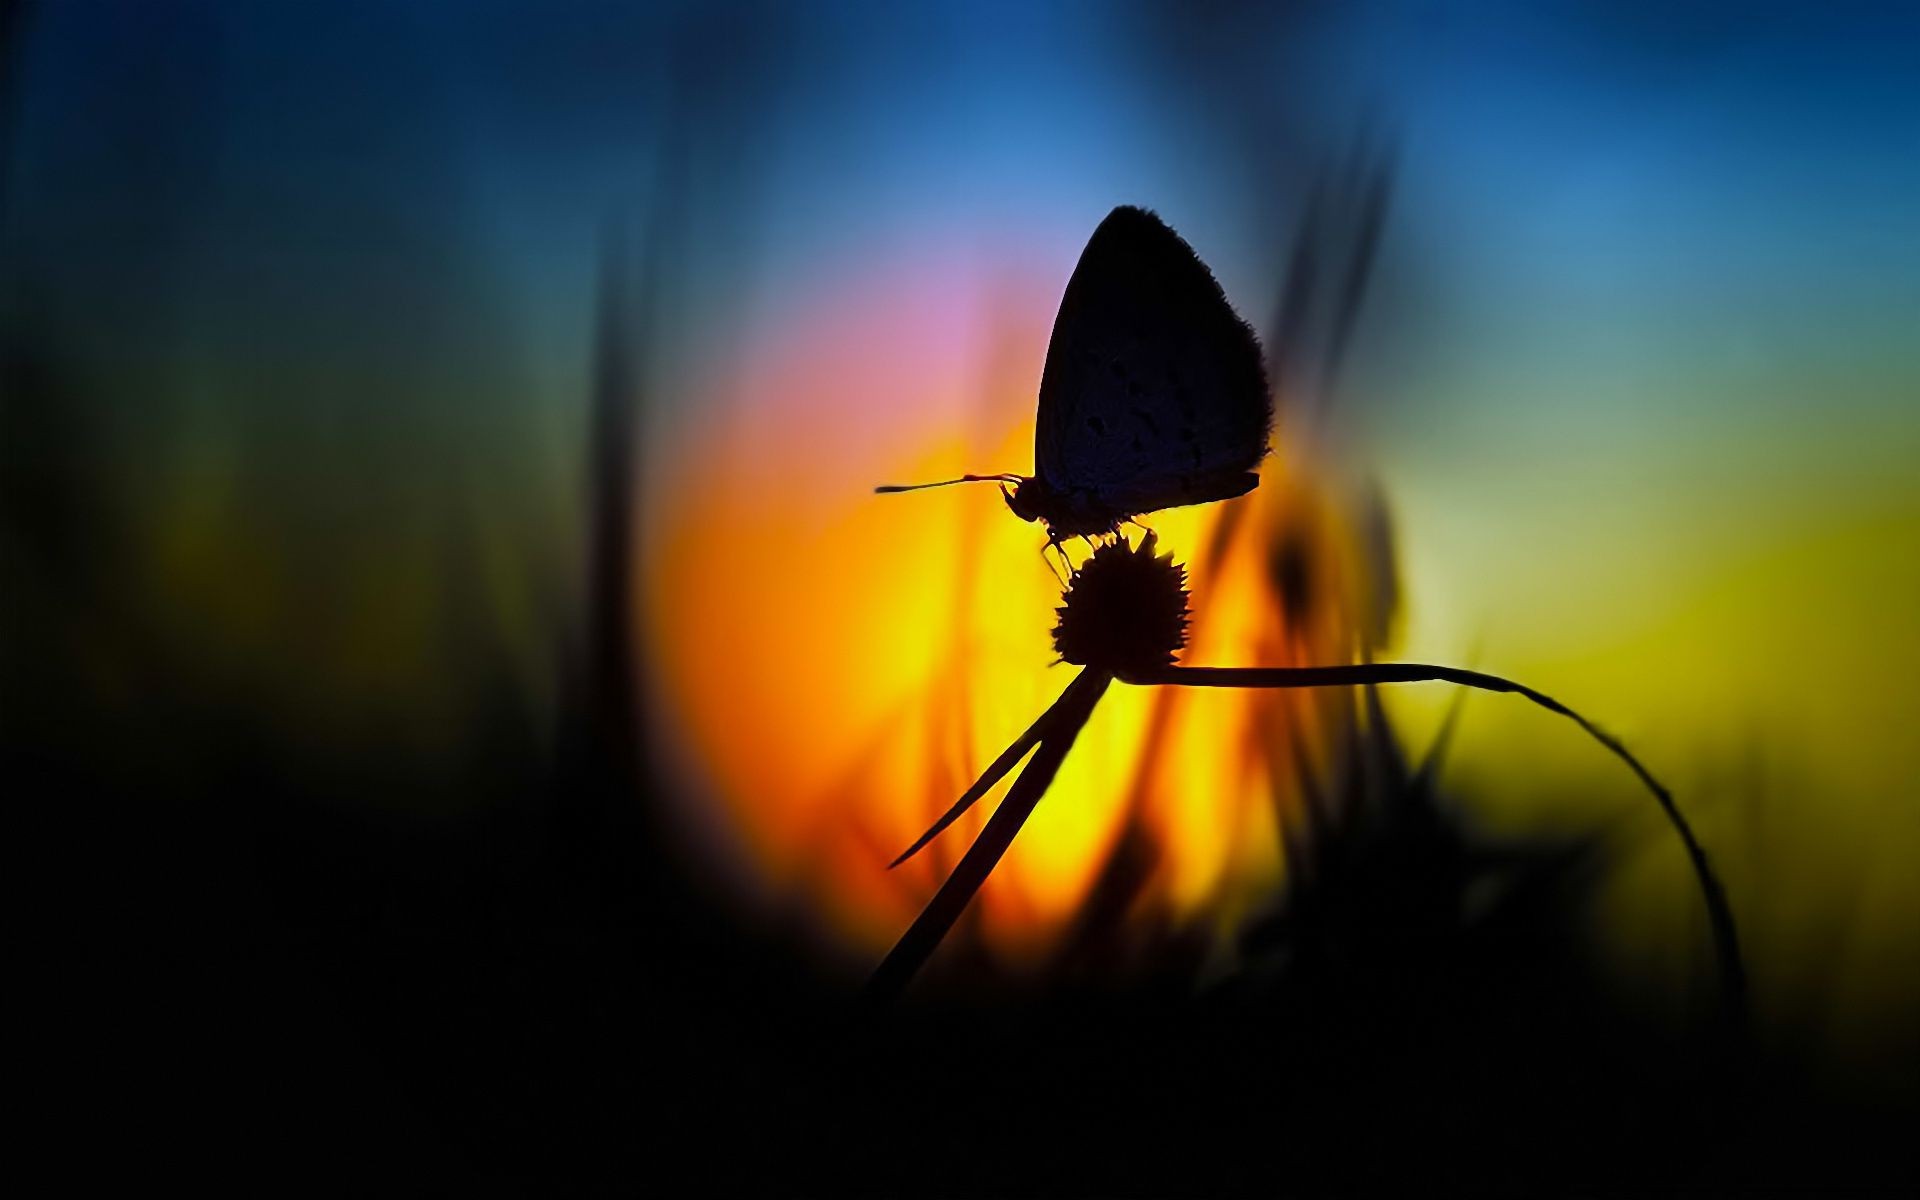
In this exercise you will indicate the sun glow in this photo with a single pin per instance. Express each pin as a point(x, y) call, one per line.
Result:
point(843, 664)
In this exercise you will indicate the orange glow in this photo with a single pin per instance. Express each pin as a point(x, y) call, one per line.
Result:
point(841, 665)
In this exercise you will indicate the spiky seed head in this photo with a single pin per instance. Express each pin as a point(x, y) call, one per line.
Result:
point(1125, 609)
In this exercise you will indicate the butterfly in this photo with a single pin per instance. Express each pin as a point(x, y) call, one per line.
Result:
point(1154, 394)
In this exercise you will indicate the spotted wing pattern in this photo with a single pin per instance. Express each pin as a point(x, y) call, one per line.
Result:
point(1154, 393)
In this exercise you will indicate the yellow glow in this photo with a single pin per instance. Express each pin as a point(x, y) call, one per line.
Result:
point(843, 664)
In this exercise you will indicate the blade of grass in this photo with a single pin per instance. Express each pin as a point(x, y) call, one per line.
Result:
point(1055, 732)
point(1009, 758)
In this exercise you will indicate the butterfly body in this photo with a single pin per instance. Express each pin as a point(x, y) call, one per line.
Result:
point(1084, 512)
point(1065, 514)
point(1154, 394)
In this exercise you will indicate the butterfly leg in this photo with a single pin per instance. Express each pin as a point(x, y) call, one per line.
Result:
point(1053, 544)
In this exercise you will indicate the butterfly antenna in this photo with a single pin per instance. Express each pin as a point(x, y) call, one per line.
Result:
point(914, 487)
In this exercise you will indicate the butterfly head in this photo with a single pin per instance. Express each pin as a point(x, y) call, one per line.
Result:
point(1022, 500)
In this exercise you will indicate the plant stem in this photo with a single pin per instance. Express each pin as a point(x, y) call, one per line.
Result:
point(1009, 758)
point(1733, 977)
point(1057, 729)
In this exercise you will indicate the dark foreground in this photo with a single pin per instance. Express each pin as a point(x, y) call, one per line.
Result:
point(273, 991)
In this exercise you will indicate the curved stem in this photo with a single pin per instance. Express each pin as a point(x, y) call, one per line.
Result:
point(1733, 977)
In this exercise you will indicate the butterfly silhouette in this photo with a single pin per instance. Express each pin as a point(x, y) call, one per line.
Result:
point(1154, 393)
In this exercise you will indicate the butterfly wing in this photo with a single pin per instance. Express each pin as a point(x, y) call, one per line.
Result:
point(1154, 393)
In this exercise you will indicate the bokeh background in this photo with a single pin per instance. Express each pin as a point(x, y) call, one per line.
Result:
point(381, 380)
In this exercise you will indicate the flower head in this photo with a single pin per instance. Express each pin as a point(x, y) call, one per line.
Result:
point(1125, 610)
